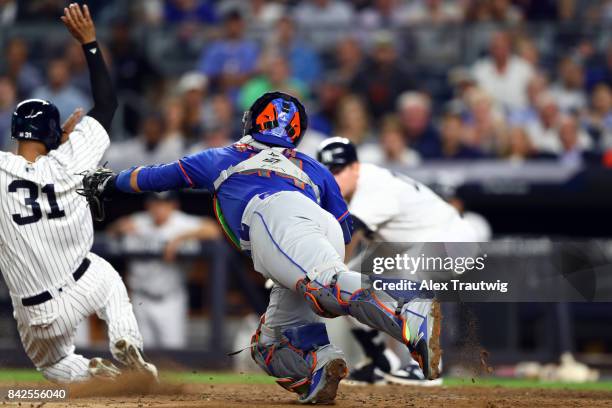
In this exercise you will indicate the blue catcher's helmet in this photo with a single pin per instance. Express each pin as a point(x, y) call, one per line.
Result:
point(37, 119)
point(276, 118)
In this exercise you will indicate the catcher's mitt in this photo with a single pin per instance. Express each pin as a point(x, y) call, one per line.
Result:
point(97, 187)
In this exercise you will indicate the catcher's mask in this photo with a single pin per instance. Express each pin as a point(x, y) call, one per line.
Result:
point(276, 118)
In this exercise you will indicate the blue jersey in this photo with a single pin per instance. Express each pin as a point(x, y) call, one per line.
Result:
point(202, 169)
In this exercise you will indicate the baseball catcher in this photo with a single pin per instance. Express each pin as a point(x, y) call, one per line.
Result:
point(285, 210)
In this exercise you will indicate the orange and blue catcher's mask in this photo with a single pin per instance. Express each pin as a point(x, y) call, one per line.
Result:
point(276, 119)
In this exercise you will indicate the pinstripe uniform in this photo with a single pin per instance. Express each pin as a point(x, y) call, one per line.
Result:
point(46, 234)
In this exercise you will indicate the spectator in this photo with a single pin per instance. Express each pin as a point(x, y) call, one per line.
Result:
point(544, 134)
point(23, 74)
point(276, 76)
point(305, 62)
point(152, 146)
point(383, 78)
point(189, 11)
point(220, 113)
point(192, 88)
point(598, 120)
point(8, 101)
point(324, 20)
point(569, 89)
point(452, 137)
point(574, 143)
point(485, 125)
point(348, 59)
point(519, 147)
point(503, 75)
point(462, 82)
point(414, 109)
point(261, 14)
point(537, 85)
point(329, 91)
point(59, 90)
point(230, 61)
point(383, 14)
point(8, 12)
point(391, 149)
point(158, 285)
point(353, 121)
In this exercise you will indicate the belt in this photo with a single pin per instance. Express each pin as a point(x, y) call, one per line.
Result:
point(44, 296)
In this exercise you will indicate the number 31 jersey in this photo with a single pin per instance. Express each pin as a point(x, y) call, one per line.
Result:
point(45, 226)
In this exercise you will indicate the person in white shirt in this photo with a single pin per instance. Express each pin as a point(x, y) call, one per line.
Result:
point(158, 285)
point(544, 134)
point(388, 207)
point(503, 75)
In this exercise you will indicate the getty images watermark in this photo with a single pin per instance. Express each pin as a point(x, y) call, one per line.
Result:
point(502, 271)
point(423, 264)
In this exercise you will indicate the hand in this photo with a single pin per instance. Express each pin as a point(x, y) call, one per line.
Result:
point(171, 250)
point(70, 123)
point(124, 226)
point(79, 23)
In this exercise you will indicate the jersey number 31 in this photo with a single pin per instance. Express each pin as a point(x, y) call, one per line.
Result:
point(31, 201)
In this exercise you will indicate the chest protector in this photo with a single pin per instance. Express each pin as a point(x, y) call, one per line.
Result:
point(269, 159)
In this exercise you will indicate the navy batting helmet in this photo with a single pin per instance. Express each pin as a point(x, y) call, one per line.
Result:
point(276, 118)
point(37, 119)
point(336, 153)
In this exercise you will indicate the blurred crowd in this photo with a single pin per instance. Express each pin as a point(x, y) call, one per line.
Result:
point(374, 71)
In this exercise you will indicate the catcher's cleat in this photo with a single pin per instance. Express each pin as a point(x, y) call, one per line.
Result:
point(415, 323)
point(103, 369)
point(324, 383)
point(410, 375)
point(132, 357)
point(423, 320)
point(367, 374)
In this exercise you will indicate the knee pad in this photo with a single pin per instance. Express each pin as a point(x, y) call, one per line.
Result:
point(295, 356)
point(320, 288)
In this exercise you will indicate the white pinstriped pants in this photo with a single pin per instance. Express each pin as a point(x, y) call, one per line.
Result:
point(47, 330)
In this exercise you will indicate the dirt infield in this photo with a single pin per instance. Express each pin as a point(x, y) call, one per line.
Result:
point(268, 395)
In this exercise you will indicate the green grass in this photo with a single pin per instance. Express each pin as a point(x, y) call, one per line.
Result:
point(26, 375)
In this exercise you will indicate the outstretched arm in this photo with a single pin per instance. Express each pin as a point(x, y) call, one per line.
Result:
point(82, 28)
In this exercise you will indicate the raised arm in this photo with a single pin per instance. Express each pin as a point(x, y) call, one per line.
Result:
point(82, 28)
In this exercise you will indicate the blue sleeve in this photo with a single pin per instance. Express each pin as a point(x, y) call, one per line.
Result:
point(163, 177)
point(191, 171)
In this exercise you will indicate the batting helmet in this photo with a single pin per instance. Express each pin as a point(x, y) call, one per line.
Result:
point(336, 153)
point(276, 118)
point(37, 119)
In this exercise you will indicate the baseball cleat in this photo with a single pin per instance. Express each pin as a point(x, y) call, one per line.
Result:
point(103, 369)
point(367, 374)
point(410, 375)
point(132, 357)
point(422, 329)
point(324, 383)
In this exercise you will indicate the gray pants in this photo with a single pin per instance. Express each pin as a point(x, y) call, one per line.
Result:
point(290, 237)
